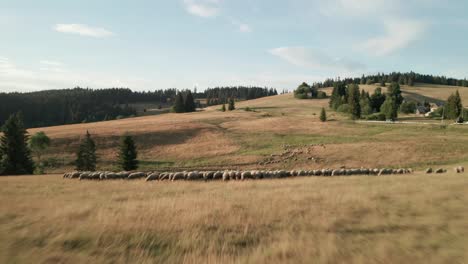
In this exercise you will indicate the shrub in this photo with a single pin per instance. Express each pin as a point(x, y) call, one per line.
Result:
point(321, 95)
point(323, 115)
point(408, 107)
point(344, 108)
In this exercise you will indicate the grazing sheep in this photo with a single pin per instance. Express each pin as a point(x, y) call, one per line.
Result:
point(208, 175)
point(459, 169)
point(440, 170)
point(153, 176)
point(226, 176)
point(218, 175)
point(75, 175)
point(136, 175)
point(164, 176)
point(194, 175)
point(177, 176)
point(84, 176)
point(246, 175)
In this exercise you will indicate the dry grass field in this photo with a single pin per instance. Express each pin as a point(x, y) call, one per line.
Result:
point(356, 219)
point(359, 219)
point(248, 139)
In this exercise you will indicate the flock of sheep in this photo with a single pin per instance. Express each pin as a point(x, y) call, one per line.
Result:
point(227, 175)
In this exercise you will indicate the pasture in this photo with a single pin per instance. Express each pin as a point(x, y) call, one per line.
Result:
point(255, 139)
point(353, 219)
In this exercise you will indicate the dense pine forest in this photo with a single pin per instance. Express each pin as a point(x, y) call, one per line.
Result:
point(401, 78)
point(80, 105)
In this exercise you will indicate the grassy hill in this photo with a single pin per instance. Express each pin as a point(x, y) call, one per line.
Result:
point(351, 219)
point(258, 138)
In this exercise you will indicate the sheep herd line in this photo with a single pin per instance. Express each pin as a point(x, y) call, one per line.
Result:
point(228, 174)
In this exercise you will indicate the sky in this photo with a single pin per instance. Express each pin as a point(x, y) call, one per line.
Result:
point(158, 44)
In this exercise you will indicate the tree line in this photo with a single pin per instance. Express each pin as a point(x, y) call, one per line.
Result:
point(81, 105)
point(409, 78)
point(221, 95)
point(17, 147)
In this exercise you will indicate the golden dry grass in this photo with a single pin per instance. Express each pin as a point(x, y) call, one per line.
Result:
point(360, 219)
point(241, 139)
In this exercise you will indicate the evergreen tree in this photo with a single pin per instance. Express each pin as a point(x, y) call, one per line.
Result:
point(86, 156)
point(454, 106)
point(353, 101)
point(364, 102)
point(395, 91)
point(179, 106)
point(389, 108)
point(127, 154)
point(15, 155)
point(189, 103)
point(323, 115)
point(231, 104)
point(377, 99)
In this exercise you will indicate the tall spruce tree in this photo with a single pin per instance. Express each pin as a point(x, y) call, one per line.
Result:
point(179, 106)
point(86, 158)
point(377, 99)
point(189, 103)
point(389, 108)
point(231, 104)
point(128, 154)
point(15, 155)
point(353, 101)
point(454, 106)
point(395, 91)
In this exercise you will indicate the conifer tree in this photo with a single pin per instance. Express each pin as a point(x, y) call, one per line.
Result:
point(179, 106)
point(323, 115)
point(353, 101)
point(15, 155)
point(86, 156)
point(231, 104)
point(454, 106)
point(395, 91)
point(389, 108)
point(128, 154)
point(189, 104)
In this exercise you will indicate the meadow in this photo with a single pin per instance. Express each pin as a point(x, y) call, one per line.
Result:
point(241, 139)
point(351, 219)
point(354, 219)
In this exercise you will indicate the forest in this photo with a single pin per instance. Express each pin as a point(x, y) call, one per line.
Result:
point(82, 105)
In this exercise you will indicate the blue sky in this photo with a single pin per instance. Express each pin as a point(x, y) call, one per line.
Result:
point(146, 45)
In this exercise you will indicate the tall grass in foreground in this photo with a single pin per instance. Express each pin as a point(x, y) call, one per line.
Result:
point(394, 219)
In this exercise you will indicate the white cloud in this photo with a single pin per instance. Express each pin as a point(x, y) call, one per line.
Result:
point(242, 27)
point(202, 8)
point(399, 33)
point(83, 30)
point(312, 58)
point(15, 77)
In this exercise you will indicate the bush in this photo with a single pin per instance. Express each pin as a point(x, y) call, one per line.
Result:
point(376, 117)
point(344, 108)
point(300, 96)
point(408, 107)
point(321, 95)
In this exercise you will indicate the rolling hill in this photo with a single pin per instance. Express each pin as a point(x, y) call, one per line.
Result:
point(260, 138)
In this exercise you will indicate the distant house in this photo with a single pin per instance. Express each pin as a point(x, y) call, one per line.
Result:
point(432, 108)
point(421, 110)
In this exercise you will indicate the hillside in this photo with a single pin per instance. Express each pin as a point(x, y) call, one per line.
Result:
point(260, 138)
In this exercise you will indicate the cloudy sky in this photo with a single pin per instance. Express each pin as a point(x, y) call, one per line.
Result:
point(154, 44)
